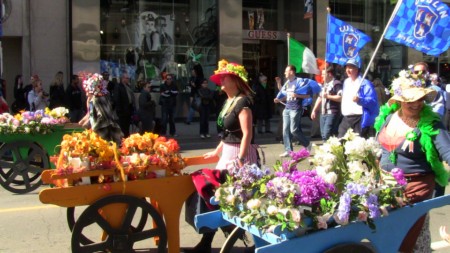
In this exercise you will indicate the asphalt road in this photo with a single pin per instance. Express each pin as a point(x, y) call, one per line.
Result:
point(27, 225)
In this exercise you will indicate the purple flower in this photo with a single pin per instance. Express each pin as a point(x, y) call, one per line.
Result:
point(356, 189)
point(372, 204)
point(399, 177)
point(343, 212)
point(299, 155)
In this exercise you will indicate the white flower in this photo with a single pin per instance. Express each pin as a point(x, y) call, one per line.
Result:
point(296, 216)
point(322, 221)
point(384, 211)
point(330, 178)
point(253, 204)
point(272, 210)
point(231, 198)
point(27, 130)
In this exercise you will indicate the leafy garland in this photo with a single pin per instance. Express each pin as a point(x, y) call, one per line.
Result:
point(426, 126)
point(239, 70)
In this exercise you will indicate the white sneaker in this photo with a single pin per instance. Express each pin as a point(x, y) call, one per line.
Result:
point(202, 136)
point(285, 154)
point(208, 136)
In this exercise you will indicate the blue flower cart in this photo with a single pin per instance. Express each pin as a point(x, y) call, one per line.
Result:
point(387, 238)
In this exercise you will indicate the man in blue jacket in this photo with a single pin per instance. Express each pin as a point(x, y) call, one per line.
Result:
point(359, 103)
point(293, 92)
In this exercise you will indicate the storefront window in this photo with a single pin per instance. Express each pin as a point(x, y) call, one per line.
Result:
point(148, 39)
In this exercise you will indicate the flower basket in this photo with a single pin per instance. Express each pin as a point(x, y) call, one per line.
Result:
point(159, 156)
point(343, 184)
point(37, 122)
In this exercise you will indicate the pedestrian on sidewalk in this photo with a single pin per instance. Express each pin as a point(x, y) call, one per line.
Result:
point(263, 104)
point(206, 100)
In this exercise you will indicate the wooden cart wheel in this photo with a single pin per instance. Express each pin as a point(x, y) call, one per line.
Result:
point(21, 164)
point(121, 239)
point(234, 236)
point(71, 220)
point(351, 248)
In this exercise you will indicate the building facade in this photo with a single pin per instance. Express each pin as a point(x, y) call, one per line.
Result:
point(149, 39)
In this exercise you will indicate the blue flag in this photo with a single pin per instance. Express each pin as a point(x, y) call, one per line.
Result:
point(343, 41)
point(422, 25)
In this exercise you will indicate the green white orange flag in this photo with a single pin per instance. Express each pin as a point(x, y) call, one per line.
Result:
point(302, 57)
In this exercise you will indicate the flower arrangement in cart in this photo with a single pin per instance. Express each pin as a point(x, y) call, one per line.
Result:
point(37, 122)
point(138, 156)
point(344, 185)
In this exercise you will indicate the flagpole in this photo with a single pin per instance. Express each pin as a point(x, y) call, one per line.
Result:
point(322, 105)
point(397, 6)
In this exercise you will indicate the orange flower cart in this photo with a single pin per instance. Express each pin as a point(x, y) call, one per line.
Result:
point(119, 206)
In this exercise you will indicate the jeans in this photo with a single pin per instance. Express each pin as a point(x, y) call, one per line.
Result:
point(292, 126)
point(204, 119)
point(329, 124)
point(167, 116)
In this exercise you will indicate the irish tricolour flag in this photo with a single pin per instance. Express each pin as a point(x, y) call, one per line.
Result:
point(302, 57)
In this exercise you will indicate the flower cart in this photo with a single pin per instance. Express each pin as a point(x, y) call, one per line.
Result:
point(389, 233)
point(28, 140)
point(334, 204)
point(116, 213)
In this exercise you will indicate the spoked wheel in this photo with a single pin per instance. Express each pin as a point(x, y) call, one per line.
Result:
point(21, 164)
point(72, 217)
point(235, 235)
point(123, 238)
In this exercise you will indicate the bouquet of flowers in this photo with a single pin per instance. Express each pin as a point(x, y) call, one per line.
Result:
point(144, 154)
point(343, 185)
point(83, 151)
point(37, 122)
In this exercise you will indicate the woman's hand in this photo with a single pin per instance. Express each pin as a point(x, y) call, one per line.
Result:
point(210, 154)
point(444, 235)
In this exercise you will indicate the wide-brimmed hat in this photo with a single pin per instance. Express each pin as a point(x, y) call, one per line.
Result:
point(95, 85)
point(409, 87)
point(229, 68)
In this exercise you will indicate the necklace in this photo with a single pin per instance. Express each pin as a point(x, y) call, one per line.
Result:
point(225, 110)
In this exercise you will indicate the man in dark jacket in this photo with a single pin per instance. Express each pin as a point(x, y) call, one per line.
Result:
point(168, 102)
point(74, 100)
point(124, 103)
point(263, 104)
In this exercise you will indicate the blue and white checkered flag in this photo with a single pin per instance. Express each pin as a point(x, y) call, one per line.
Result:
point(343, 41)
point(422, 25)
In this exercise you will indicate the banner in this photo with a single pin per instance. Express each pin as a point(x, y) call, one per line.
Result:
point(302, 57)
point(343, 41)
point(422, 25)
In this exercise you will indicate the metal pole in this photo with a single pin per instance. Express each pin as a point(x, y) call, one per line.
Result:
point(381, 38)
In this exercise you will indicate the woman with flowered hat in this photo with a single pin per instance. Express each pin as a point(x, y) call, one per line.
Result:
point(236, 146)
point(100, 116)
point(414, 139)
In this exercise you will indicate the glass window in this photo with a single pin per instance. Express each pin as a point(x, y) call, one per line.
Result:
point(148, 39)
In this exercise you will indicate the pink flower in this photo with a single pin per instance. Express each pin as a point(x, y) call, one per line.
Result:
point(399, 177)
point(362, 216)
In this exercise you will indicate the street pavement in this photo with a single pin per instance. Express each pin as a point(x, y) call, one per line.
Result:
point(27, 225)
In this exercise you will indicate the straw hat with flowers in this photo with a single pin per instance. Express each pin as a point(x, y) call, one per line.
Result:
point(410, 87)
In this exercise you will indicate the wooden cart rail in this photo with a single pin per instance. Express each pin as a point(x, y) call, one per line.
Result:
point(383, 239)
point(169, 192)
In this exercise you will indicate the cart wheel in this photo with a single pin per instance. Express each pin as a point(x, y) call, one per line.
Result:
point(21, 164)
point(234, 236)
point(71, 220)
point(351, 248)
point(121, 239)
